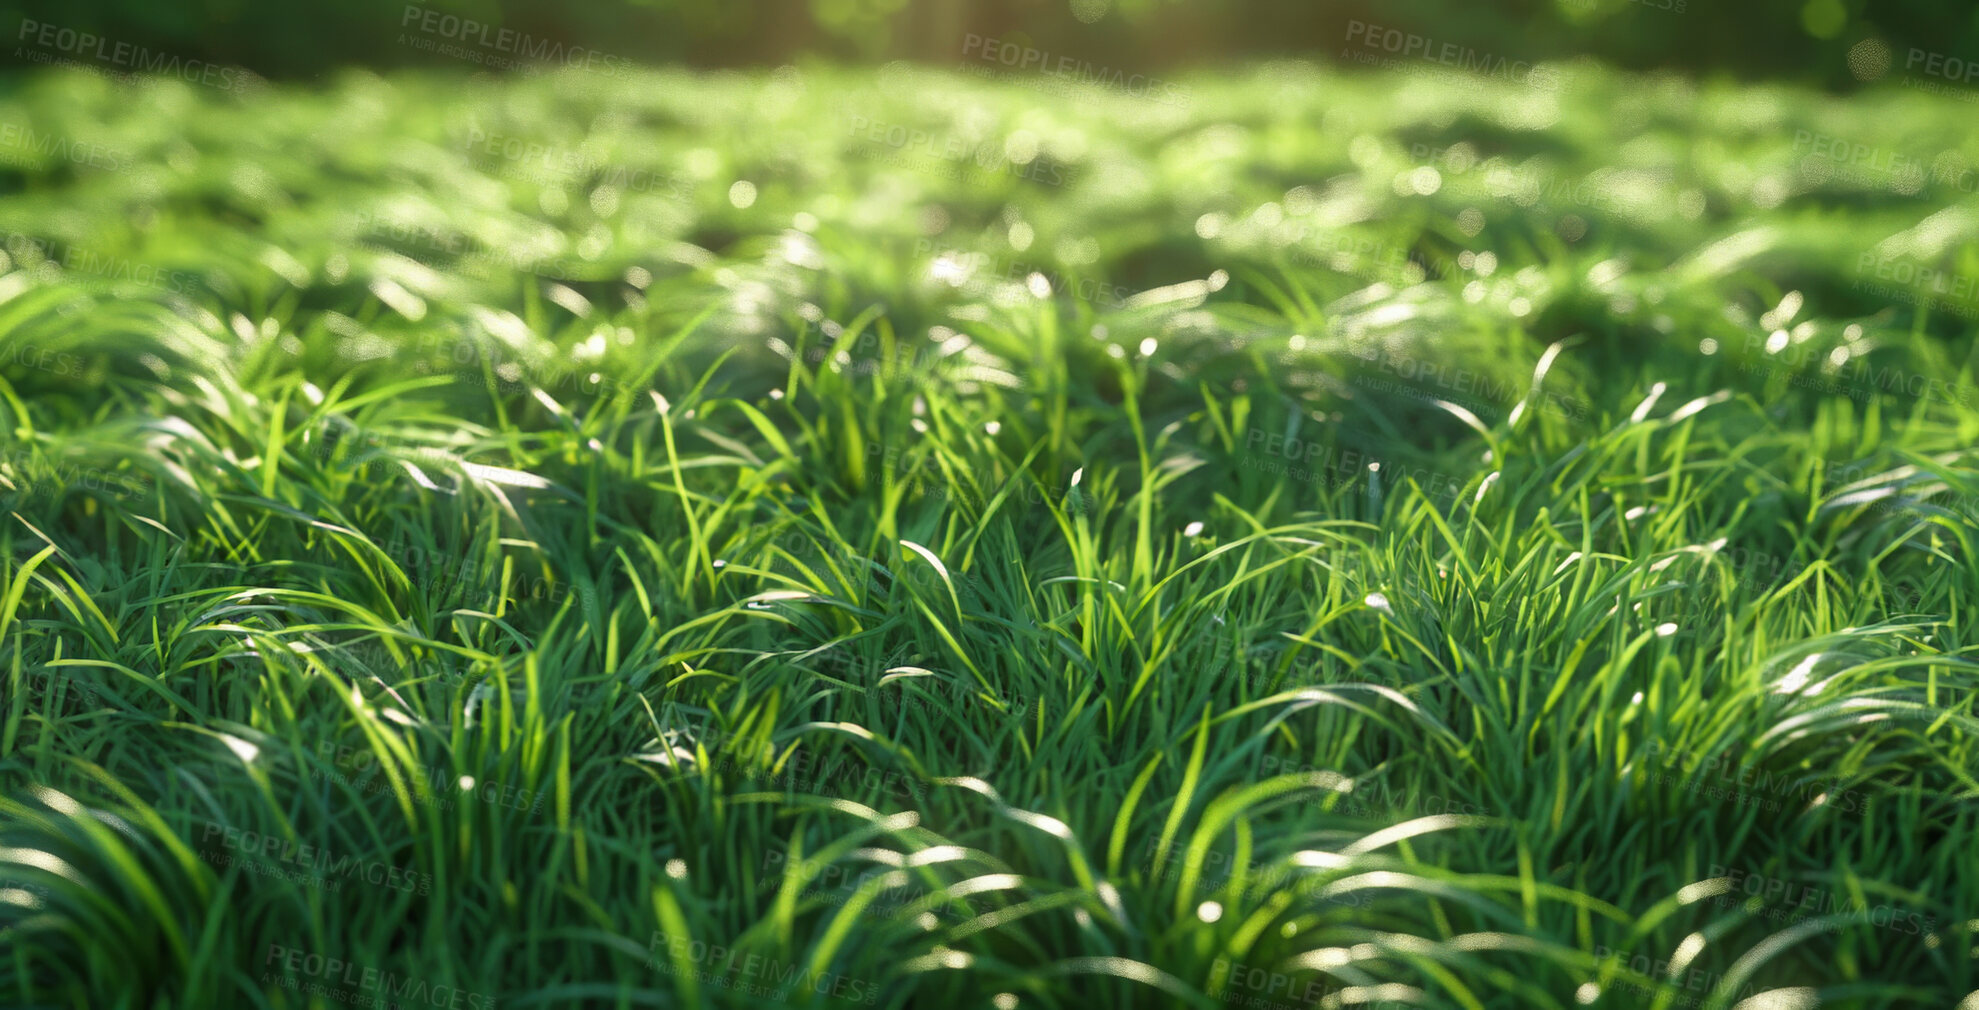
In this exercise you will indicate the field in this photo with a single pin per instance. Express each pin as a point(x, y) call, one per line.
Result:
point(904, 538)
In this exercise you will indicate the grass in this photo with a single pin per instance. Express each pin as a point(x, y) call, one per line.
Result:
point(1343, 541)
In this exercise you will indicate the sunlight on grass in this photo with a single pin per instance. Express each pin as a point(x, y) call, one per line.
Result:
point(1341, 540)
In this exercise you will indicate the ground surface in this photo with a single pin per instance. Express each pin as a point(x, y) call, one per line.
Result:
point(905, 539)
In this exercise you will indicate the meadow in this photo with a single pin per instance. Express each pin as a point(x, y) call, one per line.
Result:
point(908, 537)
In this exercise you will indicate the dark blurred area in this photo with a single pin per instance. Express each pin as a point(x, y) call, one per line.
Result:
point(1824, 42)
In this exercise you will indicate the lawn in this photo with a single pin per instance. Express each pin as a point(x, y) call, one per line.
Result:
point(899, 538)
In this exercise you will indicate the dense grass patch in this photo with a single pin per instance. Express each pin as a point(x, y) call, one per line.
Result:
point(897, 539)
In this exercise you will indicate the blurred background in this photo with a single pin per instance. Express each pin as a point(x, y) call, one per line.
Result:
point(1740, 39)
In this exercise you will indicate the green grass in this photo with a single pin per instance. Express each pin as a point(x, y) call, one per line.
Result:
point(934, 583)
